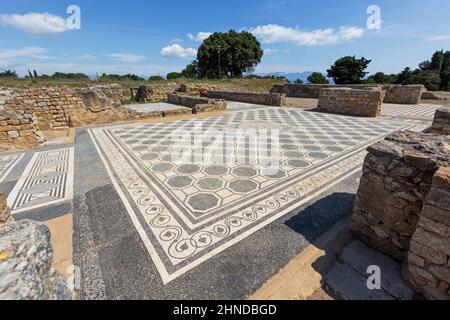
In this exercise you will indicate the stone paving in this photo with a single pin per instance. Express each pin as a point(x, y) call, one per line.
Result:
point(147, 225)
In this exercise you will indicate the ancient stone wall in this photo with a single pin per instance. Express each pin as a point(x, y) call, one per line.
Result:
point(197, 89)
point(364, 103)
point(197, 104)
point(441, 122)
point(271, 99)
point(26, 257)
point(397, 177)
point(5, 211)
point(155, 92)
point(428, 263)
point(410, 94)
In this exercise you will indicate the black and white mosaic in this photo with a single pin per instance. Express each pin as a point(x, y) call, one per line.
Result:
point(7, 163)
point(187, 212)
point(47, 180)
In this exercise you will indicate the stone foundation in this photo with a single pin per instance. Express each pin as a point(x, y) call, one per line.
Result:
point(427, 266)
point(270, 99)
point(364, 103)
point(441, 122)
point(402, 207)
point(197, 104)
point(155, 92)
point(26, 257)
point(197, 89)
point(410, 94)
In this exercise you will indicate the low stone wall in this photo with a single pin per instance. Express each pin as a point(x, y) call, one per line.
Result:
point(410, 94)
point(26, 257)
point(397, 177)
point(402, 207)
point(428, 263)
point(310, 91)
point(400, 94)
point(270, 99)
point(197, 104)
point(155, 92)
point(441, 122)
point(364, 103)
point(197, 89)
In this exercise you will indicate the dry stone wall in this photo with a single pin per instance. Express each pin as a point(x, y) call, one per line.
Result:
point(197, 89)
point(197, 104)
point(364, 103)
point(270, 99)
point(428, 263)
point(409, 94)
point(402, 207)
point(441, 122)
point(155, 92)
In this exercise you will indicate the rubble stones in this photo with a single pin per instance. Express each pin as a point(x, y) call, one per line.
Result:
point(441, 122)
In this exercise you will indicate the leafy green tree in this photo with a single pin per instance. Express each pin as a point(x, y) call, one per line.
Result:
point(382, 78)
point(228, 54)
point(71, 76)
point(298, 81)
point(191, 70)
point(317, 78)
point(155, 78)
point(9, 74)
point(174, 75)
point(348, 70)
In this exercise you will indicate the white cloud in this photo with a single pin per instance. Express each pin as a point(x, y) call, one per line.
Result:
point(177, 51)
point(273, 33)
point(199, 37)
point(35, 23)
point(88, 57)
point(439, 38)
point(270, 52)
point(28, 52)
point(126, 57)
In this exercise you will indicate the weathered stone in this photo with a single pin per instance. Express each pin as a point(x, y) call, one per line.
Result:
point(25, 267)
point(355, 102)
point(441, 122)
point(197, 104)
point(271, 99)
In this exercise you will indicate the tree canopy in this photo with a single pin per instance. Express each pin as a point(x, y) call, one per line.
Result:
point(228, 54)
point(10, 74)
point(317, 78)
point(348, 70)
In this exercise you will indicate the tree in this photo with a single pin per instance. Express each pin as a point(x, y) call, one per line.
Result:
point(298, 81)
point(348, 70)
point(155, 78)
point(317, 78)
point(382, 78)
point(228, 54)
point(174, 75)
point(9, 74)
point(191, 70)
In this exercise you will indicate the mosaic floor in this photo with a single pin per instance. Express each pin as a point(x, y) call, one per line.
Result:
point(187, 213)
point(47, 180)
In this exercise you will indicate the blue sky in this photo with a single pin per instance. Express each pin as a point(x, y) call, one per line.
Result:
point(156, 37)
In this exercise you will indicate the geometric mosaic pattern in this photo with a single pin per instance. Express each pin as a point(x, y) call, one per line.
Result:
point(187, 212)
point(48, 179)
point(409, 111)
point(7, 163)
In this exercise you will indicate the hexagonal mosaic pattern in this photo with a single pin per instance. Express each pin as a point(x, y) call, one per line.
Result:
point(190, 210)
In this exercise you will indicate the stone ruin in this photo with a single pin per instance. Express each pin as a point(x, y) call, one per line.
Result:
point(401, 94)
point(349, 101)
point(403, 207)
point(197, 104)
point(154, 92)
point(270, 99)
point(26, 257)
point(441, 122)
